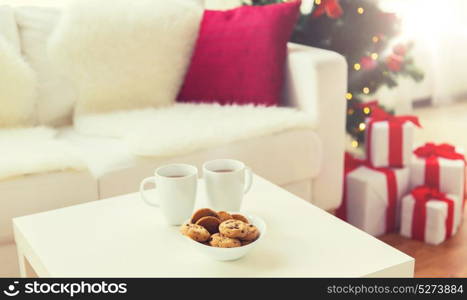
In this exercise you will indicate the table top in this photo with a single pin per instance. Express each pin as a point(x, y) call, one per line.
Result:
point(123, 237)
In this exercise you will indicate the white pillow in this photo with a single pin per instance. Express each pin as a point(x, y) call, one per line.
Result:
point(8, 28)
point(56, 96)
point(17, 80)
point(124, 54)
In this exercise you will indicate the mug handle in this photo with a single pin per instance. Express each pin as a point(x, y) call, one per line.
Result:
point(141, 190)
point(249, 182)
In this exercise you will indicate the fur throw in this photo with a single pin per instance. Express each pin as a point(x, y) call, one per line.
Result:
point(184, 128)
point(35, 150)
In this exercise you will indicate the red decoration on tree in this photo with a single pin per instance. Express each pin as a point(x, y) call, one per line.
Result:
point(400, 49)
point(389, 17)
point(331, 8)
point(394, 62)
point(367, 63)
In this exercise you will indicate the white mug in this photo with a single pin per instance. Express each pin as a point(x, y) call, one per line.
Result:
point(175, 191)
point(226, 181)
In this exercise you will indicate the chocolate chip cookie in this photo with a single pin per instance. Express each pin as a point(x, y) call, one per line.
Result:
point(195, 232)
point(203, 212)
point(218, 240)
point(233, 229)
point(240, 217)
point(252, 233)
point(210, 223)
point(224, 216)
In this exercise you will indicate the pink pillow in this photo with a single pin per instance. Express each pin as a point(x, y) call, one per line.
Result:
point(240, 55)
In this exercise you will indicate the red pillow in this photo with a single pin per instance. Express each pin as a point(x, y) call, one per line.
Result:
point(240, 55)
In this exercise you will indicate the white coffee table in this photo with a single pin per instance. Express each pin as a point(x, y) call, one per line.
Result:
point(123, 237)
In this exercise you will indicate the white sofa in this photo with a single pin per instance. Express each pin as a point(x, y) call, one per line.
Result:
point(307, 162)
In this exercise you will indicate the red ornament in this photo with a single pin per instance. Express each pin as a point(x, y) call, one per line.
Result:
point(367, 63)
point(400, 49)
point(372, 105)
point(331, 8)
point(394, 62)
point(389, 17)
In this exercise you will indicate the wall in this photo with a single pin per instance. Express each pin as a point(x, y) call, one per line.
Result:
point(33, 2)
point(439, 30)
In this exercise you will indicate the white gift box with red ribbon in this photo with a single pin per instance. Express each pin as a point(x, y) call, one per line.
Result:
point(367, 198)
point(433, 227)
point(389, 139)
point(380, 146)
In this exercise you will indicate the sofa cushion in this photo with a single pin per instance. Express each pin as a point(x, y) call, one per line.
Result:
point(33, 151)
point(125, 54)
point(56, 96)
point(240, 55)
point(8, 28)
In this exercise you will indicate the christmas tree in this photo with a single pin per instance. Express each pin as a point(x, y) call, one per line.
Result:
point(364, 34)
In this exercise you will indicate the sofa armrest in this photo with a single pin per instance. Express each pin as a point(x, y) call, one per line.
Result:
point(316, 82)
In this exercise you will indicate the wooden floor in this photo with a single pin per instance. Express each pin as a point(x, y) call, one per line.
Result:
point(440, 124)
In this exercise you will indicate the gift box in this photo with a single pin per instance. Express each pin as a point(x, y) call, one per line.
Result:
point(372, 196)
point(440, 167)
point(389, 139)
point(428, 215)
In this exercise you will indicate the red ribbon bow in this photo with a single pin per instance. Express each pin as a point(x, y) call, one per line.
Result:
point(350, 164)
point(331, 8)
point(431, 153)
point(442, 150)
point(395, 134)
point(422, 195)
point(381, 115)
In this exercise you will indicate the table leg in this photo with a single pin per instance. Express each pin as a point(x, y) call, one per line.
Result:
point(21, 263)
